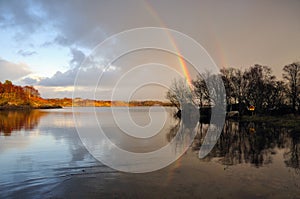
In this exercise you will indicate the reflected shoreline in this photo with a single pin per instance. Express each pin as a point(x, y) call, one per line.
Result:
point(241, 142)
point(17, 120)
point(253, 152)
point(244, 142)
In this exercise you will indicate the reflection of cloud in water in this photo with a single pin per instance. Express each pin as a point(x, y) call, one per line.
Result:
point(59, 118)
point(32, 127)
point(60, 125)
point(18, 142)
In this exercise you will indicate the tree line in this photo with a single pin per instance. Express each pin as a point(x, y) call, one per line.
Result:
point(255, 86)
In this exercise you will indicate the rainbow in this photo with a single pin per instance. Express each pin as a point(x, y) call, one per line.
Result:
point(219, 53)
point(186, 74)
point(218, 50)
point(181, 60)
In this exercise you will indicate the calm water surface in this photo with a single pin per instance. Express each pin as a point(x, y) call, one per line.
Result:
point(41, 155)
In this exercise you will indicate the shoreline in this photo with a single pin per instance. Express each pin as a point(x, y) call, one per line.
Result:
point(279, 120)
point(4, 108)
point(26, 107)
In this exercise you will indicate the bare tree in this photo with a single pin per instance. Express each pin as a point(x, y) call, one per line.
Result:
point(235, 86)
point(276, 95)
point(258, 79)
point(291, 73)
point(180, 93)
point(200, 91)
point(217, 92)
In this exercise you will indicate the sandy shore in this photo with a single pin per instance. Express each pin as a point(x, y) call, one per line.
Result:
point(188, 177)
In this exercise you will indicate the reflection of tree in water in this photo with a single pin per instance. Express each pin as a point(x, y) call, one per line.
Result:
point(180, 136)
point(292, 155)
point(249, 143)
point(239, 144)
point(18, 120)
point(184, 131)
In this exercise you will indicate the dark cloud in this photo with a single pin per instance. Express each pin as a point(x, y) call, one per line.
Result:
point(223, 30)
point(66, 78)
point(77, 57)
point(12, 71)
point(61, 40)
point(87, 77)
point(60, 79)
point(29, 81)
point(46, 44)
point(77, 22)
point(25, 15)
point(26, 53)
point(74, 22)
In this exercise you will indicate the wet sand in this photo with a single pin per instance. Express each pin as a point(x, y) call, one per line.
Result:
point(188, 177)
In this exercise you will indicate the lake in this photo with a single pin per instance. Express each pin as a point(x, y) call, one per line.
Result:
point(42, 156)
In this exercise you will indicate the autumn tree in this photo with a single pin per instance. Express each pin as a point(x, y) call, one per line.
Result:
point(1, 88)
point(31, 91)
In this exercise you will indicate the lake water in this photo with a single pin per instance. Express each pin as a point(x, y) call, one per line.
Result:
point(42, 156)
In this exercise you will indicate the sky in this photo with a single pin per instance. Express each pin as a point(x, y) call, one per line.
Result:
point(43, 43)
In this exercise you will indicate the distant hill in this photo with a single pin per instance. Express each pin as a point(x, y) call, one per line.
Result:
point(27, 97)
point(106, 103)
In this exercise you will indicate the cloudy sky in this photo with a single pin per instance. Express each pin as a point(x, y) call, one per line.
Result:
point(43, 43)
